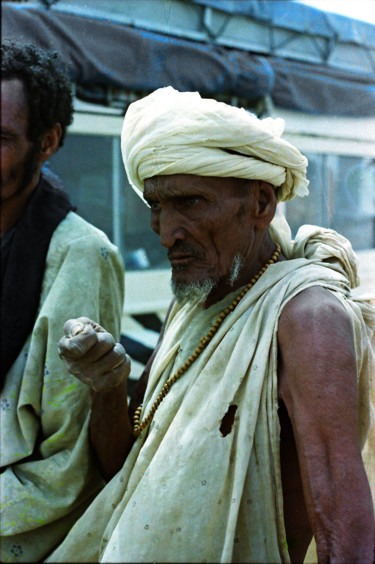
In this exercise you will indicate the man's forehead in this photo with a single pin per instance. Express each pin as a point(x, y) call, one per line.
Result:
point(160, 187)
point(171, 180)
point(13, 101)
point(14, 89)
point(176, 184)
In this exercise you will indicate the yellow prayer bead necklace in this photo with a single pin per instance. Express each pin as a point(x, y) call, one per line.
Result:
point(139, 426)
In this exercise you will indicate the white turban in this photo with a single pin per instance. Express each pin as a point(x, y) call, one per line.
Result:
point(171, 132)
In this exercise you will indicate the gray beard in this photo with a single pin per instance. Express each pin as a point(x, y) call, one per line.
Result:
point(188, 292)
point(236, 269)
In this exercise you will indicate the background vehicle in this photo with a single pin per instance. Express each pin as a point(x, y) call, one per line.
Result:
point(275, 58)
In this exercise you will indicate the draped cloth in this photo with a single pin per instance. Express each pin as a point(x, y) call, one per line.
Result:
point(189, 492)
point(48, 474)
point(171, 132)
point(22, 279)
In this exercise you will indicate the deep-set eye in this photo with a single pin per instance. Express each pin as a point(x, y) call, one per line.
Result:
point(154, 205)
point(191, 201)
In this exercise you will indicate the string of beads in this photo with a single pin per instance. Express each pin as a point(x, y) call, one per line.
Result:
point(139, 426)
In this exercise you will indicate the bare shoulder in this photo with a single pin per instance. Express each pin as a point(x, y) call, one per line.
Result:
point(314, 310)
point(316, 344)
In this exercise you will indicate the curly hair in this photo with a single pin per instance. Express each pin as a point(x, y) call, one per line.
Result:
point(48, 89)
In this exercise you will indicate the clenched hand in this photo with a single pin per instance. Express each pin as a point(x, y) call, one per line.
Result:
point(91, 354)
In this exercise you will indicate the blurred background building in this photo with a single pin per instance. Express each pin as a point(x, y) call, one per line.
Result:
point(275, 58)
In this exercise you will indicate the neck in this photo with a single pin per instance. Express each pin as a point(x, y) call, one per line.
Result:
point(261, 253)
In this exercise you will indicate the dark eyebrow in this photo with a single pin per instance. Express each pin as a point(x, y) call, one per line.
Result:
point(8, 132)
point(149, 200)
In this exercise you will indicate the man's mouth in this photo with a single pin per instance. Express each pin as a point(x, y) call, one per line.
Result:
point(181, 255)
point(179, 260)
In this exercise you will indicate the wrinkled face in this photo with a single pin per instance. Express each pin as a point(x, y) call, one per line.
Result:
point(204, 222)
point(18, 154)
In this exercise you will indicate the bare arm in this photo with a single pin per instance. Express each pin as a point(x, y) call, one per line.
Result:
point(91, 354)
point(318, 384)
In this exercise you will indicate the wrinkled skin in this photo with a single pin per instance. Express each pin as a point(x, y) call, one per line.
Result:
point(205, 222)
point(93, 356)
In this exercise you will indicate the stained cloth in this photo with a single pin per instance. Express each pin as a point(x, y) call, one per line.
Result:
point(189, 492)
point(23, 266)
point(48, 474)
point(171, 132)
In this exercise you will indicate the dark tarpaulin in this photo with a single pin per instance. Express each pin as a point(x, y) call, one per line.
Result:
point(100, 52)
point(332, 91)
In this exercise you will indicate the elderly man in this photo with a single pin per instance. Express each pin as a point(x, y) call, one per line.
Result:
point(54, 265)
point(257, 405)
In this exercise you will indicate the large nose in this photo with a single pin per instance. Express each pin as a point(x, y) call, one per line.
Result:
point(171, 227)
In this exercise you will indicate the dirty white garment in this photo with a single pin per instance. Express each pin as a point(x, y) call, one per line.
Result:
point(187, 493)
point(48, 473)
point(171, 132)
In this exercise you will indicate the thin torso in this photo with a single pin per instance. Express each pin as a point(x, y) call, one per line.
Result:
point(298, 530)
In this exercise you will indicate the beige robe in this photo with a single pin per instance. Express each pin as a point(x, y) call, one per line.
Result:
point(186, 492)
point(48, 475)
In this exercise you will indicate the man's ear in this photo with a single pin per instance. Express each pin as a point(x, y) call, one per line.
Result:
point(50, 142)
point(265, 203)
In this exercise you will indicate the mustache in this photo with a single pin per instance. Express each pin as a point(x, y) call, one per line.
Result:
point(184, 248)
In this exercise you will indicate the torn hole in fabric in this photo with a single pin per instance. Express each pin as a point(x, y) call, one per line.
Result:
point(228, 420)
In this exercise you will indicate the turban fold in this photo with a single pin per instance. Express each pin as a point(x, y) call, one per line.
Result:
point(171, 132)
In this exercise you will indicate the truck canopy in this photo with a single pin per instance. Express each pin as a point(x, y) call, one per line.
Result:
point(299, 57)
